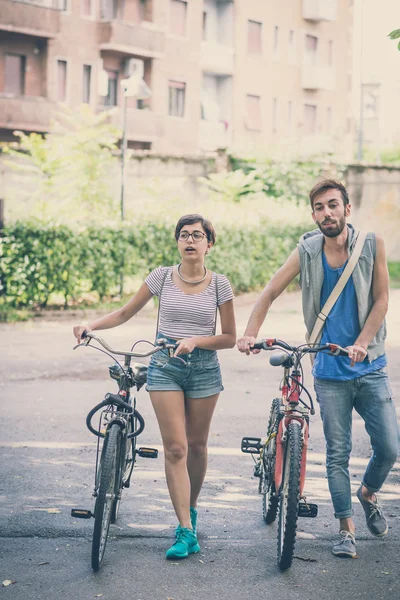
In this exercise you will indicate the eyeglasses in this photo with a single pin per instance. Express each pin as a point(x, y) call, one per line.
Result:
point(196, 236)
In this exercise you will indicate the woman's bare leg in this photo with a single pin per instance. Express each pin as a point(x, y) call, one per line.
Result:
point(170, 412)
point(199, 412)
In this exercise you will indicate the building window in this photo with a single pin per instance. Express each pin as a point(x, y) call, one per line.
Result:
point(274, 114)
point(87, 75)
point(276, 42)
point(311, 50)
point(112, 97)
point(205, 26)
point(61, 80)
point(86, 8)
point(330, 53)
point(310, 118)
point(14, 74)
point(329, 119)
point(178, 15)
point(143, 10)
point(177, 91)
point(292, 48)
point(254, 39)
point(253, 119)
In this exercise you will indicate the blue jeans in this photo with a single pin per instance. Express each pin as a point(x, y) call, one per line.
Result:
point(371, 396)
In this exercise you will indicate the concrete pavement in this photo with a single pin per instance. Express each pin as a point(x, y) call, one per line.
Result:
point(47, 466)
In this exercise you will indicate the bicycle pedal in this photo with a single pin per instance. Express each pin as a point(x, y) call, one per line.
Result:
point(307, 510)
point(147, 452)
point(251, 445)
point(81, 513)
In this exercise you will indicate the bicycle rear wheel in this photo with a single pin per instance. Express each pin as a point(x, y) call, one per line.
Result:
point(289, 496)
point(106, 495)
point(267, 485)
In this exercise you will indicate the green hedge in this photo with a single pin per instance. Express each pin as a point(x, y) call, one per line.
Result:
point(37, 260)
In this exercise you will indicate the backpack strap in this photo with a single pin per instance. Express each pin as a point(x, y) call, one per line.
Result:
point(167, 270)
point(216, 308)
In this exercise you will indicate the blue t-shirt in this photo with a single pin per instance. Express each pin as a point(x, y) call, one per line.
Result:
point(341, 327)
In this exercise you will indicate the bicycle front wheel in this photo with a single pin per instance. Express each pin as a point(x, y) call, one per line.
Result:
point(289, 496)
point(106, 495)
point(267, 484)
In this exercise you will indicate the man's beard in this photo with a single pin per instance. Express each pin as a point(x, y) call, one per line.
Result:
point(333, 232)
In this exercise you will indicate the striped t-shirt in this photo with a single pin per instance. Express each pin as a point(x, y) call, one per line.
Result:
point(186, 315)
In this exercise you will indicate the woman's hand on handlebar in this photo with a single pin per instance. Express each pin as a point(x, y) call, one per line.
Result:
point(245, 344)
point(79, 330)
point(185, 346)
point(357, 353)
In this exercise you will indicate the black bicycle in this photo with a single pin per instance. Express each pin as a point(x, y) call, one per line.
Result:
point(119, 426)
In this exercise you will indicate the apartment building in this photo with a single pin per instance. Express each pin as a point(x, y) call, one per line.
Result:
point(242, 74)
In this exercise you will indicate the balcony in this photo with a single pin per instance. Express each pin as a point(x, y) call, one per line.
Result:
point(217, 58)
point(141, 125)
point(39, 18)
point(317, 78)
point(213, 136)
point(27, 113)
point(319, 10)
point(129, 38)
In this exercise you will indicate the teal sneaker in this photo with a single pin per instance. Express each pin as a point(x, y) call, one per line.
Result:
point(186, 543)
point(193, 520)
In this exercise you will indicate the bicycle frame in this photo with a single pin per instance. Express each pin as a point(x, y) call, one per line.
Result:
point(292, 412)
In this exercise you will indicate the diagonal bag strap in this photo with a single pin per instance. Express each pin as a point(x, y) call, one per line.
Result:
point(337, 290)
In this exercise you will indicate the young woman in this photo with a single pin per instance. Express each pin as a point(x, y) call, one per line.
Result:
point(184, 389)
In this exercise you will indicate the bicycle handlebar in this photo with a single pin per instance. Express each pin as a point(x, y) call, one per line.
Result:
point(161, 344)
point(272, 344)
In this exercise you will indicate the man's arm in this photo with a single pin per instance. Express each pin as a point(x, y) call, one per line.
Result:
point(380, 297)
point(272, 290)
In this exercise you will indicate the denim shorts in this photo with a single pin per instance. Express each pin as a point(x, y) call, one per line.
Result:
point(197, 375)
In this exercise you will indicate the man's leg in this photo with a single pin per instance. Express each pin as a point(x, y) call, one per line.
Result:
point(336, 405)
point(375, 405)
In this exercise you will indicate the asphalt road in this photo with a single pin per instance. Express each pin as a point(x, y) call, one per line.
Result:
point(47, 467)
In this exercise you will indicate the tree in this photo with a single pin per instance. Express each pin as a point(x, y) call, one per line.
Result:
point(72, 169)
point(394, 35)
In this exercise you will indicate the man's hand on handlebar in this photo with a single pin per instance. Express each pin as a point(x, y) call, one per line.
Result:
point(79, 330)
point(245, 344)
point(357, 353)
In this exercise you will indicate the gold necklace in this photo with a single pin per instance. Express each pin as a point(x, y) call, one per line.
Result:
point(191, 282)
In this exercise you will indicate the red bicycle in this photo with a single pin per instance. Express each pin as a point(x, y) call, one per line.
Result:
point(282, 456)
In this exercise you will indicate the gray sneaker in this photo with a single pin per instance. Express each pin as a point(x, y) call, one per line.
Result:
point(346, 547)
point(376, 521)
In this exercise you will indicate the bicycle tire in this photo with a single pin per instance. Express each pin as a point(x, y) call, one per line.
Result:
point(106, 494)
point(289, 496)
point(127, 457)
point(270, 499)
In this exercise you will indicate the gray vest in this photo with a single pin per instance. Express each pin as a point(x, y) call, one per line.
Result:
point(312, 277)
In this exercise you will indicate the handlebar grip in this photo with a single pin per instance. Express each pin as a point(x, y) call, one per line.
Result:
point(84, 334)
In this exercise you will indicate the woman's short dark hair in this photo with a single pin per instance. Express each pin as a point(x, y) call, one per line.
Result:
point(189, 220)
point(328, 184)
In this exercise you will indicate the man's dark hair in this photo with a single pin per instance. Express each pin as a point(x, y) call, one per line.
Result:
point(189, 220)
point(328, 184)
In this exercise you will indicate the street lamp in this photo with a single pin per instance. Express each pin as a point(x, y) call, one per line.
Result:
point(133, 87)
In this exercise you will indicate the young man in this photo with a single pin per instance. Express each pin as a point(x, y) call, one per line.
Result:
point(357, 322)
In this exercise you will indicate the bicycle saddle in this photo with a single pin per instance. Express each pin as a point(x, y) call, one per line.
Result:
point(139, 373)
